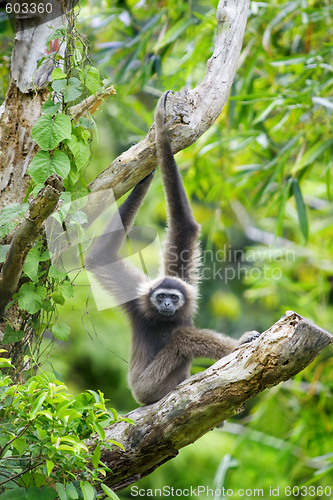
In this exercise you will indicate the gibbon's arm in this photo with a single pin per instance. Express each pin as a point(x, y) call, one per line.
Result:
point(181, 250)
point(119, 279)
point(165, 372)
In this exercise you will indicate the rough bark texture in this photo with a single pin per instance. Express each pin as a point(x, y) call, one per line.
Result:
point(207, 398)
point(24, 99)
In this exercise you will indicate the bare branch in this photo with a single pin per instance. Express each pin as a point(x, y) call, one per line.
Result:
point(206, 399)
point(25, 236)
point(90, 105)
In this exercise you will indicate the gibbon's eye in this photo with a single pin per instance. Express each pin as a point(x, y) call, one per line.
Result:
point(174, 297)
point(160, 296)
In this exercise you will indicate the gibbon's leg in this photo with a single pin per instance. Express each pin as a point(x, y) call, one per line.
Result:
point(122, 278)
point(171, 364)
point(181, 249)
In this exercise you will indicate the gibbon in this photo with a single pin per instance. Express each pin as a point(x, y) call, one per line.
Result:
point(164, 339)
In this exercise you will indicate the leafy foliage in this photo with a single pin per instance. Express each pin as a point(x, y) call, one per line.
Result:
point(44, 452)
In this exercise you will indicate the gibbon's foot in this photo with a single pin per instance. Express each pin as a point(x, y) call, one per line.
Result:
point(249, 336)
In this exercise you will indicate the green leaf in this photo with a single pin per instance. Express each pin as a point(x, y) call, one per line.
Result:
point(86, 136)
point(38, 404)
point(14, 494)
point(61, 491)
point(50, 107)
point(57, 74)
point(71, 491)
point(96, 456)
point(42, 166)
point(12, 335)
point(310, 156)
point(86, 122)
point(100, 431)
point(30, 298)
point(109, 492)
point(91, 79)
point(61, 331)
point(20, 445)
point(3, 252)
point(35, 493)
point(79, 217)
point(49, 131)
point(12, 211)
point(31, 264)
point(266, 112)
point(57, 33)
point(174, 33)
point(301, 210)
point(70, 91)
point(56, 275)
point(80, 150)
point(87, 490)
point(285, 196)
point(49, 467)
point(66, 289)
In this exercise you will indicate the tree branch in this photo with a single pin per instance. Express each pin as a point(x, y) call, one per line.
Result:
point(25, 236)
point(196, 109)
point(204, 400)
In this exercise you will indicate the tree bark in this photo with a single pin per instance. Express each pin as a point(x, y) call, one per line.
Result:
point(203, 401)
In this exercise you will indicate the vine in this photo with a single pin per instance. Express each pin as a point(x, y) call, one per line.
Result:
point(43, 434)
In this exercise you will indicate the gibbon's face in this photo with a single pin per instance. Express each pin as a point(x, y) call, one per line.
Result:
point(167, 300)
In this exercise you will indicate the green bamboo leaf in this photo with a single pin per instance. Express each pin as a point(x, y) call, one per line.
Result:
point(174, 33)
point(313, 153)
point(301, 210)
point(285, 196)
point(267, 111)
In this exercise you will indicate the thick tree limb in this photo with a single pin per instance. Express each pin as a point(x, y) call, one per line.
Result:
point(25, 236)
point(195, 109)
point(207, 398)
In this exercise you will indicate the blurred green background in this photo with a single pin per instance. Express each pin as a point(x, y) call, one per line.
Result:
point(260, 183)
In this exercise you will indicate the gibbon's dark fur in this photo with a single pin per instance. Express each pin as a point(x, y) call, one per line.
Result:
point(164, 340)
